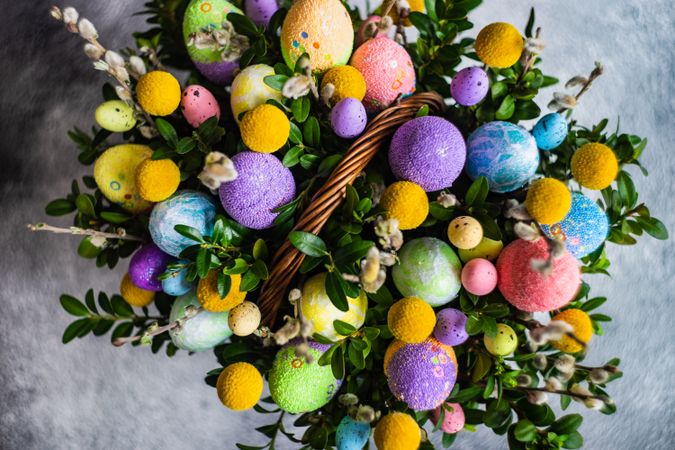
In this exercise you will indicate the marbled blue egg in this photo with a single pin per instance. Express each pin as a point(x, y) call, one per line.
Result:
point(191, 208)
point(351, 435)
point(550, 131)
point(203, 331)
point(504, 153)
point(584, 228)
point(348, 118)
point(177, 284)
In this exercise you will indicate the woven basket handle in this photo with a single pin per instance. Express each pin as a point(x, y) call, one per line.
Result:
point(287, 259)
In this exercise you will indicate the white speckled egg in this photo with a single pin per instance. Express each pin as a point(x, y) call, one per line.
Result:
point(198, 104)
point(249, 89)
point(244, 319)
point(115, 116)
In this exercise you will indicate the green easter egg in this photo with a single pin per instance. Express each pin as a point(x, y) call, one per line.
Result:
point(203, 331)
point(504, 343)
point(115, 116)
point(487, 249)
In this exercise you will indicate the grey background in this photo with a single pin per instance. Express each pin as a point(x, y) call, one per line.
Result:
point(90, 395)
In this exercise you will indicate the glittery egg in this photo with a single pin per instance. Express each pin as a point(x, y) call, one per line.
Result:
point(428, 268)
point(361, 33)
point(263, 184)
point(116, 116)
point(351, 434)
point(529, 290)
point(261, 11)
point(422, 375)
point(504, 153)
point(203, 331)
point(487, 248)
point(429, 151)
point(451, 327)
point(115, 175)
point(503, 343)
point(550, 131)
point(348, 118)
point(205, 20)
point(198, 104)
point(387, 69)
point(453, 417)
point(249, 89)
point(465, 232)
point(147, 264)
point(479, 276)
point(178, 284)
point(584, 228)
point(244, 319)
point(297, 385)
point(190, 208)
point(320, 28)
point(469, 86)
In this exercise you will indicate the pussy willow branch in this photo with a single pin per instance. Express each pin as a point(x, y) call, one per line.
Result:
point(532, 324)
point(530, 57)
point(159, 330)
point(597, 71)
point(83, 232)
point(560, 392)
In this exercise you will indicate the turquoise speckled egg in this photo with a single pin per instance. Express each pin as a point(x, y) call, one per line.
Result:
point(115, 116)
point(550, 131)
point(190, 208)
point(177, 284)
point(428, 269)
point(351, 434)
point(203, 331)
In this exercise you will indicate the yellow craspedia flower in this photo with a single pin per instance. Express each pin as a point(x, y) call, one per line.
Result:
point(134, 295)
point(499, 45)
point(209, 297)
point(548, 200)
point(397, 431)
point(411, 320)
point(581, 327)
point(265, 129)
point(348, 82)
point(158, 93)
point(240, 386)
point(157, 179)
point(407, 202)
point(415, 6)
point(594, 166)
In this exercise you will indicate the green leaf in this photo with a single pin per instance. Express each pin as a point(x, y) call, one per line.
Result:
point(300, 108)
point(439, 212)
point(292, 156)
point(498, 90)
point(115, 217)
point(121, 307)
point(574, 440)
point(343, 328)
point(497, 412)
point(224, 284)
point(85, 205)
point(566, 424)
point(308, 243)
point(448, 439)
point(73, 306)
point(311, 132)
point(506, 108)
point(167, 131)
point(185, 145)
point(477, 192)
point(260, 249)
point(474, 325)
point(249, 281)
point(335, 291)
point(525, 431)
point(243, 25)
point(481, 368)
point(276, 81)
point(356, 357)
point(653, 226)
point(467, 394)
point(295, 135)
point(490, 228)
point(423, 111)
point(238, 267)
point(59, 207)
point(189, 232)
point(593, 303)
point(75, 329)
point(352, 253)
point(260, 269)
point(337, 363)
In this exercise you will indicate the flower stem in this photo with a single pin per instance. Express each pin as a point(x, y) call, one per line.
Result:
point(83, 232)
point(158, 330)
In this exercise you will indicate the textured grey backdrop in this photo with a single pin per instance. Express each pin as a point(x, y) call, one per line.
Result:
point(91, 395)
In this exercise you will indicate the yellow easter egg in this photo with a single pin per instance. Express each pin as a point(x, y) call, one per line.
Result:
point(465, 232)
point(249, 89)
point(116, 116)
point(115, 175)
point(504, 343)
point(487, 249)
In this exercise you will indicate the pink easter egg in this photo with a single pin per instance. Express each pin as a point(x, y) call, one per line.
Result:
point(453, 418)
point(198, 104)
point(479, 276)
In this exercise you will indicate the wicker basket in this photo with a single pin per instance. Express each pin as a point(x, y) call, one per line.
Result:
point(287, 259)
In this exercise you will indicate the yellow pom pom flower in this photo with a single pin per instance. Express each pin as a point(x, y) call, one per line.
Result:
point(397, 431)
point(265, 129)
point(158, 93)
point(548, 200)
point(411, 320)
point(594, 166)
point(581, 327)
point(499, 45)
point(134, 295)
point(157, 179)
point(239, 386)
point(348, 82)
point(209, 297)
point(407, 202)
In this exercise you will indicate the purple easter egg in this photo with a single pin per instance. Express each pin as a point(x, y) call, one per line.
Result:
point(469, 86)
point(198, 104)
point(348, 118)
point(262, 185)
point(422, 375)
point(220, 73)
point(451, 327)
point(147, 264)
point(260, 11)
point(429, 151)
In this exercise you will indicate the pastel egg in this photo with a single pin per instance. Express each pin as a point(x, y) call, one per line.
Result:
point(479, 276)
point(145, 267)
point(450, 327)
point(320, 28)
point(244, 318)
point(453, 417)
point(115, 175)
point(351, 434)
point(261, 11)
point(487, 248)
point(116, 116)
point(203, 331)
point(550, 131)
point(249, 89)
point(348, 118)
point(198, 104)
point(503, 343)
point(177, 284)
point(469, 86)
point(465, 232)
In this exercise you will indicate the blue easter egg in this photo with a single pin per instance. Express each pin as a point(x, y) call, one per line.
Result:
point(550, 131)
point(351, 435)
point(177, 284)
point(189, 208)
point(584, 228)
point(504, 153)
point(203, 331)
